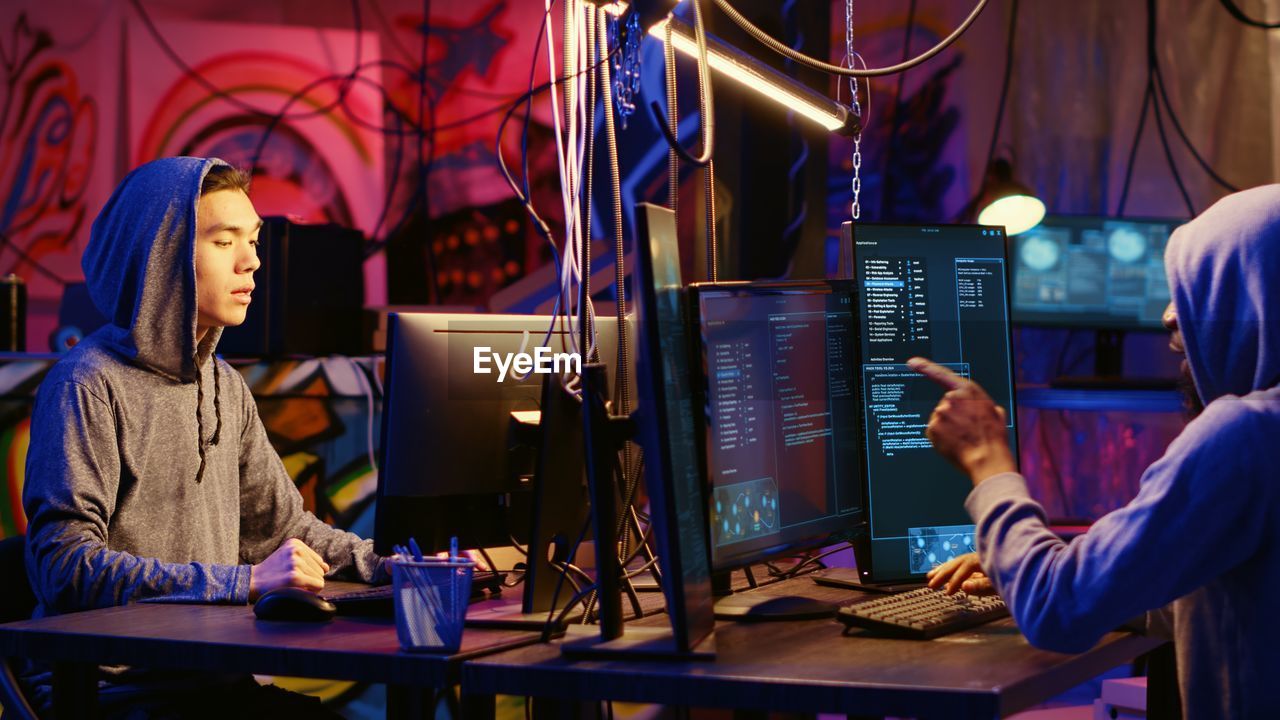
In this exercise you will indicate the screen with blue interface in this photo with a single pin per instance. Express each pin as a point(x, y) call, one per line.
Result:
point(780, 417)
point(1091, 272)
point(939, 292)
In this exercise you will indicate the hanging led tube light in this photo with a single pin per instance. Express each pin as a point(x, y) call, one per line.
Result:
point(762, 79)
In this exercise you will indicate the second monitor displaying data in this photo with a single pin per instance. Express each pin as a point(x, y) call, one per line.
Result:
point(939, 292)
point(1092, 272)
point(780, 416)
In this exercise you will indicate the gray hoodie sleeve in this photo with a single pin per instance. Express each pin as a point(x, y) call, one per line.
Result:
point(72, 479)
point(271, 510)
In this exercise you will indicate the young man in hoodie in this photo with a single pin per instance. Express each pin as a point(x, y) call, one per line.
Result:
point(1202, 537)
point(149, 475)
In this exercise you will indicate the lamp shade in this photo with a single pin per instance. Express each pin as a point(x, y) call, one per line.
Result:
point(1005, 201)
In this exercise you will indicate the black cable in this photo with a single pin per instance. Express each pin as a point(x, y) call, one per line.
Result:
point(645, 535)
point(559, 619)
point(1004, 91)
point(300, 93)
point(391, 187)
point(1173, 166)
point(781, 48)
point(795, 570)
point(523, 191)
point(217, 92)
point(525, 195)
point(1133, 151)
point(642, 569)
point(1151, 93)
point(555, 594)
point(273, 119)
point(7, 242)
point(1238, 14)
point(426, 160)
point(1177, 126)
point(894, 119)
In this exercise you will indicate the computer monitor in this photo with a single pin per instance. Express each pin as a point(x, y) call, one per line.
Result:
point(939, 292)
point(665, 429)
point(454, 462)
point(780, 418)
point(1092, 272)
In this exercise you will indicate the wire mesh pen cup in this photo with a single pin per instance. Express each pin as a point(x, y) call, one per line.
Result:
point(431, 598)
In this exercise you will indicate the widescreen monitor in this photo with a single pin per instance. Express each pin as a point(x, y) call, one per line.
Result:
point(453, 460)
point(1092, 272)
point(779, 417)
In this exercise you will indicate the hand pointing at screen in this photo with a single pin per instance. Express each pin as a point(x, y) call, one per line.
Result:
point(967, 427)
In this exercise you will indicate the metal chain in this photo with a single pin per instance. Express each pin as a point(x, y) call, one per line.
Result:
point(856, 209)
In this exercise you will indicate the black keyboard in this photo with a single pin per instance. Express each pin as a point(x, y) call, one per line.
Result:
point(923, 613)
point(377, 599)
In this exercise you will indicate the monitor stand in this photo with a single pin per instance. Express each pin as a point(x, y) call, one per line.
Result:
point(604, 435)
point(1108, 369)
point(751, 607)
point(559, 515)
point(848, 578)
point(762, 606)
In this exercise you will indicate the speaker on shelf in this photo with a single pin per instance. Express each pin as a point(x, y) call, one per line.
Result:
point(309, 295)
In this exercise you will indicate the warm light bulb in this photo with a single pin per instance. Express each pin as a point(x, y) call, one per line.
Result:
point(1017, 213)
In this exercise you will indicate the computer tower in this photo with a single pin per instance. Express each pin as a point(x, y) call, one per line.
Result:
point(309, 295)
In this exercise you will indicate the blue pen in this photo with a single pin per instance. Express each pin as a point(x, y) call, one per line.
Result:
point(453, 548)
point(417, 551)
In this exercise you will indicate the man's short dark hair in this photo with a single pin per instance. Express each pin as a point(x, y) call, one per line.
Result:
point(225, 177)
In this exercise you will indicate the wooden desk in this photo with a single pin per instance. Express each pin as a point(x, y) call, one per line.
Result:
point(227, 638)
point(810, 667)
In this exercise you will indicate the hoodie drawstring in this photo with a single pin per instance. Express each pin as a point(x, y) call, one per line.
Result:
point(217, 413)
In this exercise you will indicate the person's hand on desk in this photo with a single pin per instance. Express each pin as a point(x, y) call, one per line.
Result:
point(962, 573)
point(967, 427)
point(293, 564)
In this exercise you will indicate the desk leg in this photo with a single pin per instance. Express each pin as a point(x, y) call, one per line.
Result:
point(75, 690)
point(478, 707)
point(1163, 698)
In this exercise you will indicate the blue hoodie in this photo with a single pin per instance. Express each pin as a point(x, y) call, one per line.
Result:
point(140, 482)
point(1202, 537)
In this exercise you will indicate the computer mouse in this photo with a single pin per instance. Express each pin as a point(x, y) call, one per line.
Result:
point(294, 605)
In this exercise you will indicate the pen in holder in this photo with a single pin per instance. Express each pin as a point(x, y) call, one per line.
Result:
point(431, 598)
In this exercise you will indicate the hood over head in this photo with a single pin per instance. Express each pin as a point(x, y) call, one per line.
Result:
point(141, 257)
point(1223, 267)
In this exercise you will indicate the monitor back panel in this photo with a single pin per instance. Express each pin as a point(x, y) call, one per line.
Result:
point(451, 461)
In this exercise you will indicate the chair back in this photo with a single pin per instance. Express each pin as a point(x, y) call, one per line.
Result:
point(17, 602)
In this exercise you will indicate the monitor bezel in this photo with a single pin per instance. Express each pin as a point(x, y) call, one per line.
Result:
point(862, 550)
